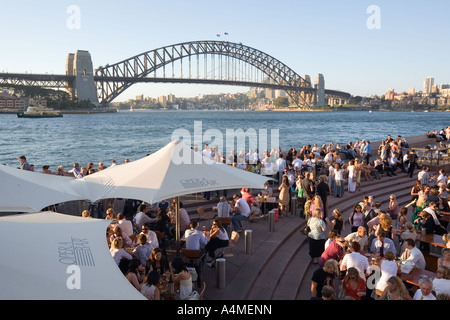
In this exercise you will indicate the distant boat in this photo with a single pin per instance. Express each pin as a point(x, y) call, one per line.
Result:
point(39, 112)
point(370, 111)
point(425, 110)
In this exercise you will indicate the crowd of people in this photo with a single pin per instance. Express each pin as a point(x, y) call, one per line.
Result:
point(136, 236)
point(384, 232)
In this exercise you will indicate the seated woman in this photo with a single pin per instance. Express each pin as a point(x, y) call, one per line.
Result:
point(157, 262)
point(218, 238)
point(353, 285)
point(135, 274)
point(149, 288)
point(181, 277)
point(117, 251)
point(395, 290)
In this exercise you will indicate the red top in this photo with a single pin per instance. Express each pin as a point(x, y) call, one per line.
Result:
point(361, 287)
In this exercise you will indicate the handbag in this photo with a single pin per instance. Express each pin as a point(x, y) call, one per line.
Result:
point(306, 230)
point(300, 192)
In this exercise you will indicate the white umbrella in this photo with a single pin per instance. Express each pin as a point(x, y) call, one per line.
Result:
point(26, 191)
point(50, 256)
point(174, 170)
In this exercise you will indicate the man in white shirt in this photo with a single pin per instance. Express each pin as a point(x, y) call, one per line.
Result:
point(328, 158)
point(206, 152)
point(356, 260)
point(152, 239)
point(184, 218)
point(142, 218)
point(194, 238)
point(125, 225)
point(360, 236)
point(413, 254)
point(281, 164)
point(242, 212)
point(223, 208)
point(423, 176)
point(290, 176)
point(431, 209)
point(297, 164)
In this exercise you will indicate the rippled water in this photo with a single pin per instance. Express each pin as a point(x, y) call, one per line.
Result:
point(105, 137)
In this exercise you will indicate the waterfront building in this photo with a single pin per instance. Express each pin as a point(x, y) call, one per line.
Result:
point(428, 85)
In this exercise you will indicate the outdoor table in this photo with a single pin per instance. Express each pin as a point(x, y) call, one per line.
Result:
point(433, 239)
point(412, 277)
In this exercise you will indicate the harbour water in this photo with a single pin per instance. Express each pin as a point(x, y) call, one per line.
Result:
point(93, 138)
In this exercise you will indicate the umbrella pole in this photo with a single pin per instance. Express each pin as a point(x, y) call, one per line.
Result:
point(177, 227)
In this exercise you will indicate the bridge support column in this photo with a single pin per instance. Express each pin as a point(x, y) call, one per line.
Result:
point(80, 66)
point(319, 84)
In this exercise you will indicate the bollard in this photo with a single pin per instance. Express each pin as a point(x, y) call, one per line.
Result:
point(271, 221)
point(248, 241)
point(294, 206)
point(221, 272)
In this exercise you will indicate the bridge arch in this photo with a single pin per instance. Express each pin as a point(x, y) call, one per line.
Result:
point(114, 79)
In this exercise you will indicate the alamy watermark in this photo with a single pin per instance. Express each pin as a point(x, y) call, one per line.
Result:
point(373, 22)
point(74, 280)
point(223, 144)
point(73, 21)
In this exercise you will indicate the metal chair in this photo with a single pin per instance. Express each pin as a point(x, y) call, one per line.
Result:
point(202, 291)
point(232, 243)
point(193, 258)
point(205, 216)
point(225, 222)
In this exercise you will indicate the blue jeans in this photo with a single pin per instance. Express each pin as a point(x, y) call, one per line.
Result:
point(236, 221)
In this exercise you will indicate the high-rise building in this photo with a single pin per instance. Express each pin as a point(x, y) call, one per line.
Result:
point(428, 85)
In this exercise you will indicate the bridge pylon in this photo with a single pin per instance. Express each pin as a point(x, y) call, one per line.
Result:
point(79, 65)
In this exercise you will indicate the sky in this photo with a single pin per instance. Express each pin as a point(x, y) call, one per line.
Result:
point(361, 47)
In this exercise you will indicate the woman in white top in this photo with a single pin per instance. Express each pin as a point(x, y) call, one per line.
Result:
point(338, 189)
point(388, 268)
point(441, 284)
point(351, 176)
point(149, 289)
point(117, 252)
point(181, 277)
point(218, 238)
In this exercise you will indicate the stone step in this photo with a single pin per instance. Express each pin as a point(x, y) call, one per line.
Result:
point(273, 270)
point(241, 284)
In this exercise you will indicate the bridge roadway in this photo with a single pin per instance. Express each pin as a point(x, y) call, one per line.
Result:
point(65, 81)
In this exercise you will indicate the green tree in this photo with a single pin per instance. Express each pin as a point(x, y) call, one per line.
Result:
point(281, 102)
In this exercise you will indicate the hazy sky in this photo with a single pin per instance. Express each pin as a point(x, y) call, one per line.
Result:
point(357, 51)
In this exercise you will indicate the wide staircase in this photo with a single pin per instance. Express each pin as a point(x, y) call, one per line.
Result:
point(279, 267)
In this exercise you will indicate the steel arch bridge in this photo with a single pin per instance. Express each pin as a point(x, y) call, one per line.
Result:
point(229, 64)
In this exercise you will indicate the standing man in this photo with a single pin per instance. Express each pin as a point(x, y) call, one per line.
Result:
point(24, 165)
point(281, 164)
point(412, 163)
point(365, 152)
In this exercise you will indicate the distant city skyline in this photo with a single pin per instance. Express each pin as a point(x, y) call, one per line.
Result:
point(361, 47)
